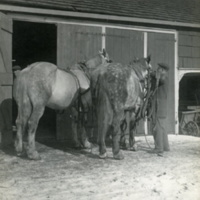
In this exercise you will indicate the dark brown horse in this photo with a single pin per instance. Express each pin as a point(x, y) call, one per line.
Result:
point(118, 88)
point(44, 84)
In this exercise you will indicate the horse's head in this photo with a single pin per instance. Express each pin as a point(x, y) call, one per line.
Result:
point(142, 65)
point(105, 56)
point(101, 58)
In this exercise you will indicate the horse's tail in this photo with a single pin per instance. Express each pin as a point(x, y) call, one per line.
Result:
point(20, 93)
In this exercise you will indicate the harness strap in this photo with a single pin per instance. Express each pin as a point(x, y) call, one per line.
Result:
point(80, 107)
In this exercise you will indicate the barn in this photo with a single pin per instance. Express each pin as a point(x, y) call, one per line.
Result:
point(65, 32)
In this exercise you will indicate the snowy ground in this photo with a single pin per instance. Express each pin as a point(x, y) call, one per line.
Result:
point(68, 174)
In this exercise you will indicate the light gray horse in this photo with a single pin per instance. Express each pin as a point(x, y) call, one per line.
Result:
point(119, 88)
point(44, 84)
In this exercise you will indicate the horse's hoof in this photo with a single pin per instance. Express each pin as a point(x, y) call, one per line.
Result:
point(77, 145)
point(134, 147)
point(87, 145)
point(34, 156)
point(119, 156)
point(19, 154)
point(127, 146)
point(103, 156)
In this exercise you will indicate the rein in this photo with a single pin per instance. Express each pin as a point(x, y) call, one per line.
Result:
point(146, 109)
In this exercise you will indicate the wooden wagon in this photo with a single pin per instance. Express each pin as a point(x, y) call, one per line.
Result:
point(190, 121)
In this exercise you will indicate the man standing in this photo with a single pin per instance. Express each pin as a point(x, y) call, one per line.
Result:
point(160, 114)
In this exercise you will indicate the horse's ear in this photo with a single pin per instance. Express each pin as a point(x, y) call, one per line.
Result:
point(148, 58)
point(104, 53)
point(135, 59)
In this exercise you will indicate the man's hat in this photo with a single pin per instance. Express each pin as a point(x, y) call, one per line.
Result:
point(164, 66)
point(16, 67)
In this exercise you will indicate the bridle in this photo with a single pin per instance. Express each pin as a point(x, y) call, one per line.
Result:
point(147, 96)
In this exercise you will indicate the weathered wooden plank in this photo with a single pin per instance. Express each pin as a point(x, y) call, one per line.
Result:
point(189, 33)
point(6, 23)
point(117, 41)
point(195, 41)
point(189, 49)
point(196, 63)
point(180, 64)
point(124, 45)
point(185, 40)
point(75, 43)
point(196, 52)
point(161, 47)
point(5, 44)
point(109, 42)
point(185, 51)
point(136, 44)
point(186, 62)
point(6, 78)
point(6, 135)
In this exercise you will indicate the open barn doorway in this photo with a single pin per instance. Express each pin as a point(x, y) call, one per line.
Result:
point(189, 91)
point(189, 104)
point(33, 42)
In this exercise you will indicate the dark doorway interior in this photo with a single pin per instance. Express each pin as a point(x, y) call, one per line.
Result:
point(189, 91)
point(33, 42)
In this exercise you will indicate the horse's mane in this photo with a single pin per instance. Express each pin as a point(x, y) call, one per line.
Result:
point(140, 62)
point(138, 65)
point(94, 61)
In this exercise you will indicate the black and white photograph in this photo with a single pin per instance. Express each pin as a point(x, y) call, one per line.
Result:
point(99, 99)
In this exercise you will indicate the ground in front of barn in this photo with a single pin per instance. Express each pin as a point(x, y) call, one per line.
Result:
point(67, 174)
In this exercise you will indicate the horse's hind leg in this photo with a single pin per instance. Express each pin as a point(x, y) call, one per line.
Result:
point(32, 126)
point(74, 123)
point(102, 131)
point(19, 137)
point(104, 120)
point(21, 123)
point(116, 135)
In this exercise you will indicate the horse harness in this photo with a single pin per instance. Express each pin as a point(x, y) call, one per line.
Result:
point(146, 95)
point(79, 105)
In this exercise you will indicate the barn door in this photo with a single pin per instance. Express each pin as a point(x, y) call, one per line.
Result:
point(161, 46)
point(124, 45)
point(75, 43)
point(6, 79)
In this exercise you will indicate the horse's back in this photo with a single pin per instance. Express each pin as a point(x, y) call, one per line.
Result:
point(32, 80)
point(39, 69)
point(121, 84)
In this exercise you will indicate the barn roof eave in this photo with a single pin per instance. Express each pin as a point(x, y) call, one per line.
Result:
point(60, 13)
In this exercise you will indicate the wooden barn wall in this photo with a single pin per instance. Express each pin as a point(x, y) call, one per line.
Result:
point(189, 49)
point(161, 48)
point(75, 43)
point(124, 45)
point(6, 79)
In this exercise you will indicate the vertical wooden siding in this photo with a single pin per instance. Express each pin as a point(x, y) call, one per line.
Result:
point(6, 79)
point(161, 48)
point(124, 45)
point(189, 49)
point(75, 43)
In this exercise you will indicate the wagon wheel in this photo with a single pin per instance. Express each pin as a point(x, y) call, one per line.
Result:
point(192, 128)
